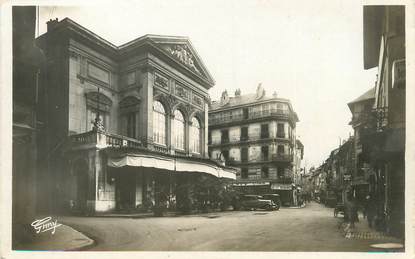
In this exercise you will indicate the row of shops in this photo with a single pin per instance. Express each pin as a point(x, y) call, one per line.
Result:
point(370, 165)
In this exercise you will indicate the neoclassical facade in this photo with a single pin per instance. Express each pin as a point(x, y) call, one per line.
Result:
point(125, 125)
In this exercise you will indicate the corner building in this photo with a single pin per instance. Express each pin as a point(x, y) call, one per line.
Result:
point(126, 126)
point(256, 133)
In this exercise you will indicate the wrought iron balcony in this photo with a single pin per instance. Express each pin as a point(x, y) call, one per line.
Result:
point(282, 157)
point(285, 114)
point(375, 120)
point(271, 158)
point(284, 180)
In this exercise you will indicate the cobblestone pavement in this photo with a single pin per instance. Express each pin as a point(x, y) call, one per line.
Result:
point(312, 228)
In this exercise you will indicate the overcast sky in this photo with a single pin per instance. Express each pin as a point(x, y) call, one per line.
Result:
point(310, 52)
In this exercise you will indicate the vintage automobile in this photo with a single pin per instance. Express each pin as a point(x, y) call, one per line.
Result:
point(273, 197)
point(254, 202)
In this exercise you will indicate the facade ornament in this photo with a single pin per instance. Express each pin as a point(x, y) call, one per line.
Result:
point(161, 81)
point(188, 108)
point(183, 54)
point(275, 94)
point(260, 92)
point(98, 125)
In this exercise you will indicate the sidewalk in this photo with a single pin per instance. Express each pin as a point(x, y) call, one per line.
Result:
point(361, 230)
point(64, 239)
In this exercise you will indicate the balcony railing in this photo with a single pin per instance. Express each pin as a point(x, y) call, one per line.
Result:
point(102, 140)
point(224, 140)
point(282, 157)
point(160, 148)
point(374, 119)
point(272, 158)
point(252, 115)
point(284, 180)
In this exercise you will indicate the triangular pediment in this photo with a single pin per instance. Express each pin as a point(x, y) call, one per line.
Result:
point(181, 50)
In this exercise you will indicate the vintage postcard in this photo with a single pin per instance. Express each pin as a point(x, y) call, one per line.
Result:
point(242, 128)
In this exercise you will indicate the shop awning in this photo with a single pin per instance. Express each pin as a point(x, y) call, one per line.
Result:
point(251, 183)
point(172, 164)
point(281, 186)
point(142, 161)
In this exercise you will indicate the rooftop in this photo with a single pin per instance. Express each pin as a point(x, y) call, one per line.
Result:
point(167, 46)
point(369, 94)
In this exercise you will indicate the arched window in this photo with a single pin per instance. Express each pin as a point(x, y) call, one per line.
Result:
point(178, 131)
point(195, 136)
point(159, 123)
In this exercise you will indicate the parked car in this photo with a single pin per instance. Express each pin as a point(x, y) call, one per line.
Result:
point(273, 197)
point(249, 202)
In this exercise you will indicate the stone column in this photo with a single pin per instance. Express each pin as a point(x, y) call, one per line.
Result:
point(170, 131)
point(187, 136)
point(204, 133)
point(146, 127)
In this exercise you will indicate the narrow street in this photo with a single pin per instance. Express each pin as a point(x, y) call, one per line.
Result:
point(312, 228)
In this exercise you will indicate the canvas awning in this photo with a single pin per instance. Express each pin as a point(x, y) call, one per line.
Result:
point(251, 183)
point(281, 186)
point(170, 163)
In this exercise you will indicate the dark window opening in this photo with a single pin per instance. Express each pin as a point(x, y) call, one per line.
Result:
point(280, 150)
point(280, 172)
point(264, 153)
point(244, 173)
point(264, 131)
point(244, 154)
point(280, 130)
point(244, 133)
point(225, 154)
point(209, 137)
point(131, 122)
point(225, 136)
point(245, 113)
point(264, 172)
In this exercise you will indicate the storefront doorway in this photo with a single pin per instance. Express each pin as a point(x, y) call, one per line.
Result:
point(125, 185)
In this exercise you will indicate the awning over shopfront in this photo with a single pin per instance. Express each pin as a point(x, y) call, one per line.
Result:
point(281, 186)
point(251, 184)
point(170, 163)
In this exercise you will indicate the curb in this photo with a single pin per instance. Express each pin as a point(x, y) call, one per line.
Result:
point(90, 241)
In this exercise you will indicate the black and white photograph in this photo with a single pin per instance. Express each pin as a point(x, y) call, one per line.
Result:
point(207, 126)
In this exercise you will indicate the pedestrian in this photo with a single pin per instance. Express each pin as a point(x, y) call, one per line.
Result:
point(351, 215)
point(371, 210)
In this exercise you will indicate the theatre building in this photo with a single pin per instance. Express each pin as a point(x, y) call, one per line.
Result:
point(125, 126)
point(256, 133)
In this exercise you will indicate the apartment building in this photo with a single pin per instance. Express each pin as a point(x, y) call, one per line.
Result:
point(256, 133)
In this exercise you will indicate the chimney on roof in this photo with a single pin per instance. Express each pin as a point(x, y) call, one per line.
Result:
point(238, 92)
point(275, 94)
point(52, 24)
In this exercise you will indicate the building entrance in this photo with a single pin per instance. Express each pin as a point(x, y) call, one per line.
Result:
point(125, 190)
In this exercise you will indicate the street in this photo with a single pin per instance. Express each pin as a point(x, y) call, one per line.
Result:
point(312, 228)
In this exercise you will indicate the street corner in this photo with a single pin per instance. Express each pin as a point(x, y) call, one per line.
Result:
point(65, 238)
